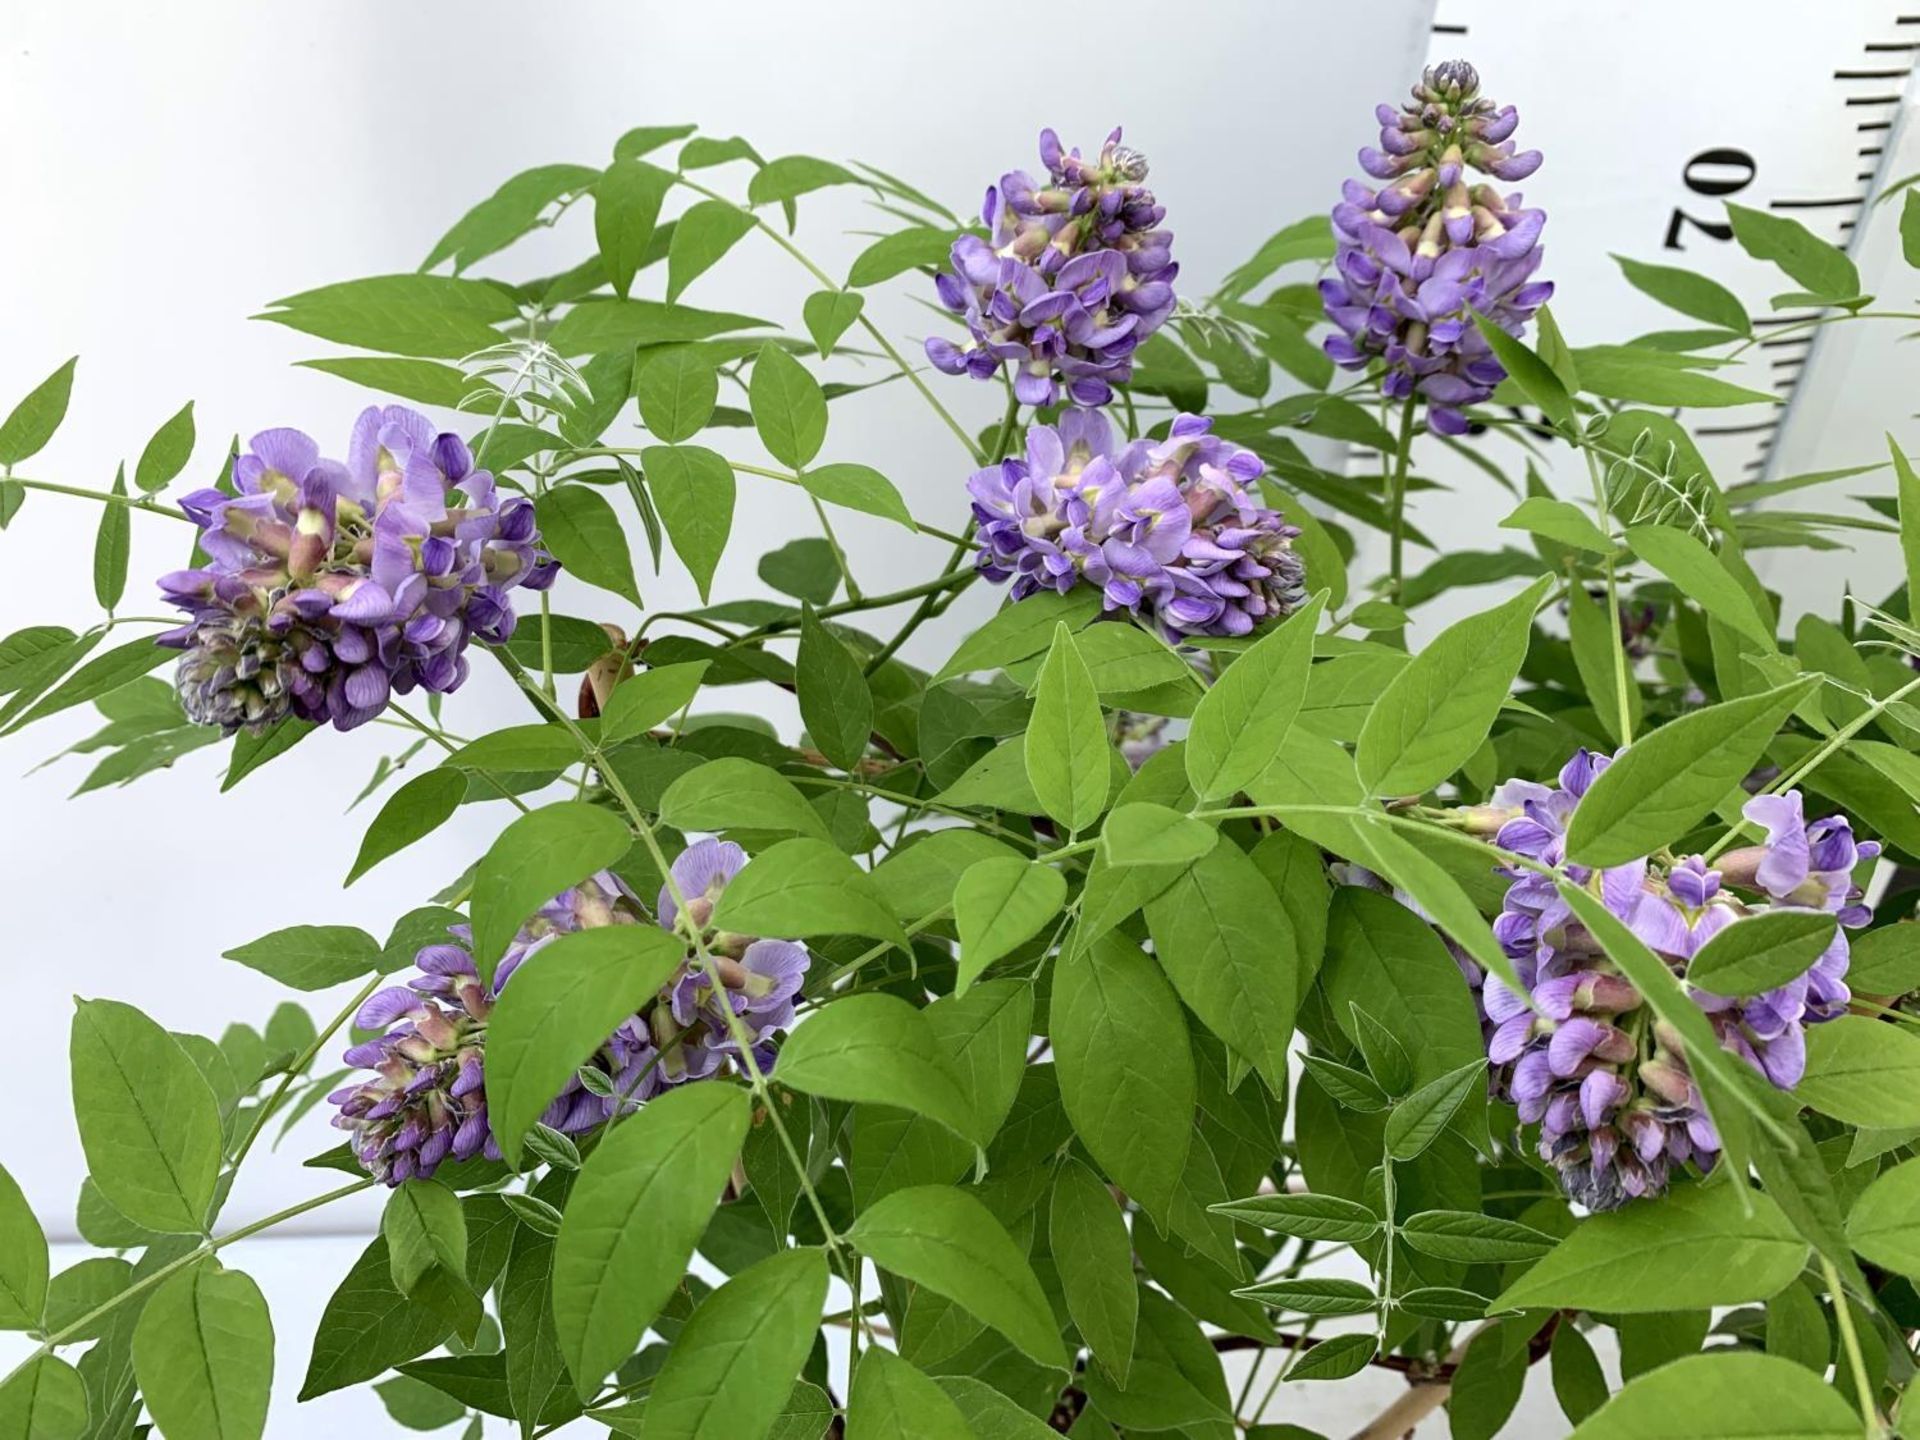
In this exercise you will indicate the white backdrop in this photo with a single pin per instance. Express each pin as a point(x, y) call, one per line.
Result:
point(169, 169)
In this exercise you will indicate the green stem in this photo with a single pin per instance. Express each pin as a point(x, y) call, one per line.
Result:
point(839, 552)
point(1820, 756)
point(1622, 675)
point(1388, 1201)
point(1397, 500)
point(737, 1029)
point(76, 1329)
point(132, 502)
point(433, 734)
point(299, 1067)
point(1856, 1362)
point(865, 323)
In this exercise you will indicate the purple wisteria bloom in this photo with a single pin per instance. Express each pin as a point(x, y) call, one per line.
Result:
point(330, 587)
point(1076, 276)
point(1419, 257)
point(427, 1101)
point(1166, 529)
point(1607, 1083)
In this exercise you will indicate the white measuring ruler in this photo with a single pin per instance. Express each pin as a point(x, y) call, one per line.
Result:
point(1651, 115)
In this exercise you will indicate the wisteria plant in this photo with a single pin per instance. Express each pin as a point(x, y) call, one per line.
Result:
point(1182, 992)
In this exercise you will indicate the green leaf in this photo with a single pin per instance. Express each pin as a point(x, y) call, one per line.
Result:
point(1018, 630)
point(1703, 577)
point(857, 487)
point(12, 496)
point(999, 904)
point(626, 205)
point(1227, 944)
point(922, 247)
point(891, 1398)
point(1487, 1386)
point(1690, 294)
point(1533, 375)
point(1666, 782)
point(1305, 1216)
point(836, 704)
point(1094, 1256)
point(1909, 488)
point(703, 235)
point(789, 408)
point(585, 536)
point(648, 698)
point(1143, 833)
point(536, 1370)
point(1727, 1395)
point(1594, 630)
point(1650, 377)
point(34, 419)
point(1558, 520)
point(368, 1327)
point(533, 859)
point(1314, 1296)
point(427, 381)
point(1436, 712)
point(694, 489)
point(1436, 891)
point(203, 1353)
point(676, 390)
point(1886, 960)
point(599, 327)
point(1579, 1384)
point(110, 548)
point(1762, 952)
point(1125, 1066)
point(634, 1217)
point(1862, 1072)
point(1810, 262)
point(101, 675)
point(414, 811)
point(311, 957)
point(829, 314)
point(1472, 1238)
point(424, 1228)
point(1242, 720)
point(736, 793)
point(876, 1049)
point(946, 1240)
point(507, 214)
point(806, 887)
point(44, 1399)
point(1696, 1247)
point(149, 1124)
point(1416, 1122)
point(1066, 745)
point(166, 454)
point(1884, 1224)
point(792, 176)
point(250, 752)
point(730, 1372)
point(427, 316)
point(23, 1259)
point(557, 1013)
point(1333, 1358)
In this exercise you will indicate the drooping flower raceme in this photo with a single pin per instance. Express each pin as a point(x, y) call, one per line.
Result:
point(1608, 1084)
point(330, 587)
point(1076, 276)
point(427, 1100)
point(1431, 248)
point(1166, 529)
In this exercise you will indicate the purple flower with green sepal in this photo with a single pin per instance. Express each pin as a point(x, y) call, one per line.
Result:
point(1609, 1085)
point(331, 587)
point(1419, 257)
point(1076, 275)
point(1168, 530)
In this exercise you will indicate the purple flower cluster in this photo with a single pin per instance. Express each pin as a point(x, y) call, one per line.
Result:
point(1420, 256)
point(1166, 529)
point(1076, 276)
point(332, 586)
point(1608, 1084)
point(427, 1101)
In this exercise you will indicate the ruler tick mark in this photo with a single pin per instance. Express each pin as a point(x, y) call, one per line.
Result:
point(1899, 74)
point(1816, 204)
